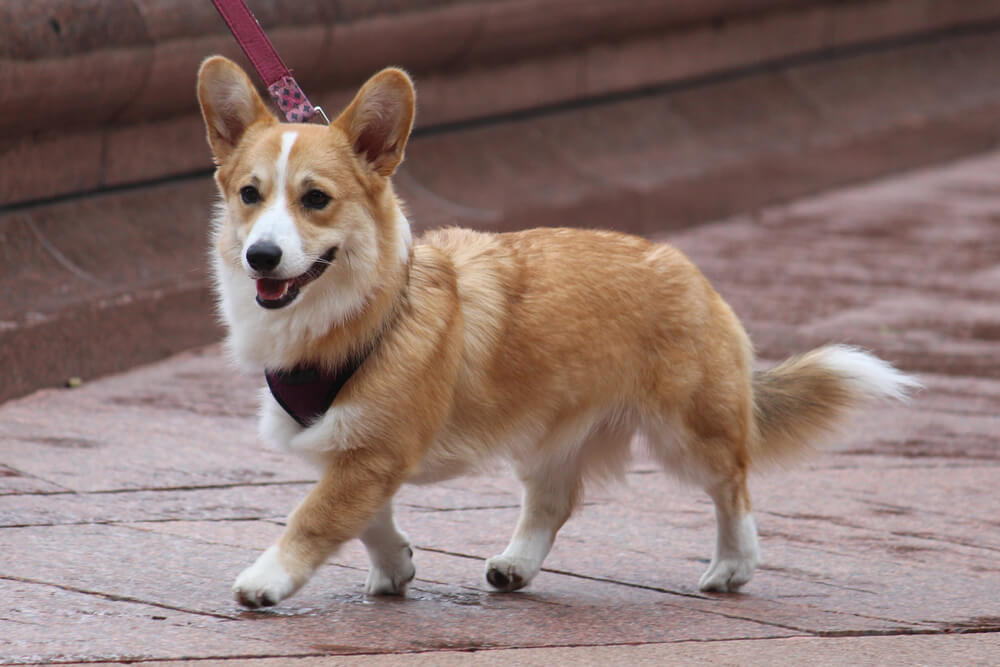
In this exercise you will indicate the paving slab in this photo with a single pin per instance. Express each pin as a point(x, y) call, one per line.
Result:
point(128, 505)
point(943, 650)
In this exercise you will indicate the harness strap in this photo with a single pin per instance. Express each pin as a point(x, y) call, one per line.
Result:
point(306, 392)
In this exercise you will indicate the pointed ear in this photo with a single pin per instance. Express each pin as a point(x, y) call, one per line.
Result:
point(229, 104)
point(379, 120)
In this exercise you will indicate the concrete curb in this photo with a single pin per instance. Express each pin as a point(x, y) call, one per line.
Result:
point(112, 85)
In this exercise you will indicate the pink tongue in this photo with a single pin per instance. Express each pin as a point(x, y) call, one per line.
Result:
point(270, 289)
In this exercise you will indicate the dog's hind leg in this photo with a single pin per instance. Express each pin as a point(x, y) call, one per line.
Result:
point(715, 464)
point(737, 552)
point(552, 489)
point(706, 443)
point(390, 554)
point(550, 494)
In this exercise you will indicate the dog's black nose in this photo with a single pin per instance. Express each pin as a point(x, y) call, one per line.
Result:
point(263, 256)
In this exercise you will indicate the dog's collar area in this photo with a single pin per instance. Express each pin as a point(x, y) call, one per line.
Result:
point(306, 392)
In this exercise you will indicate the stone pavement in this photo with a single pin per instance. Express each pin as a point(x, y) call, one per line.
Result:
point(132, 502)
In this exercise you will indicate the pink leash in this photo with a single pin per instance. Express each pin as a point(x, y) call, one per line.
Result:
point(279, 80)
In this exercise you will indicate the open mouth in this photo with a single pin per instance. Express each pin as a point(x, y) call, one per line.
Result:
point(275, 293)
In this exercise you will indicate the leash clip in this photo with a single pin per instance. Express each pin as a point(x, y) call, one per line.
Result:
point(318, 111)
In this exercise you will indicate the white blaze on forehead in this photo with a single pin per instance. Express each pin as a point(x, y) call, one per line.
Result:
point(281, 166)
point(276, 223)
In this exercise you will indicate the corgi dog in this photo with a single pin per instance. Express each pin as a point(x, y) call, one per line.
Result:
point(391, 360)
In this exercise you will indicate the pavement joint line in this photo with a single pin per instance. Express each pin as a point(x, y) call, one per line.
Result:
point(125, 522)
point(512, 506)
point(201, 658)
point(158, 489)
point(28, 475)
point(133, 525)
point(819, 55)
point(429, 508)
point(447, 553)
point(931, 538)
point(913, 508)
point(114, 597)
point(5, 619)
point(792, 575)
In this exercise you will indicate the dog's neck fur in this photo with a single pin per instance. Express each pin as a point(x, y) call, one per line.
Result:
point(333, 321)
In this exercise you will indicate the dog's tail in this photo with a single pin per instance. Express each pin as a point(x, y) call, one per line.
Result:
point(806, 398)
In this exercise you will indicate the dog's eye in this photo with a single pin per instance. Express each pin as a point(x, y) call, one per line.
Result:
point(315, 199)
point(249, 194)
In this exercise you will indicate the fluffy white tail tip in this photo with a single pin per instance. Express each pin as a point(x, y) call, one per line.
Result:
point(867, 374)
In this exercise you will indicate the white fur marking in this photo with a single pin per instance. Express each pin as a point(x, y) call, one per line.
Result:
point(276, 224)
point(265, 582)
point(523, 557)
point(867, 374)
point(390, 554)
point(333, 431)
point(275, 426)
point(736, 556)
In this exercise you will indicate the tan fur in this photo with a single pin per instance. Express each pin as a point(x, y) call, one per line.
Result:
point(547, 347)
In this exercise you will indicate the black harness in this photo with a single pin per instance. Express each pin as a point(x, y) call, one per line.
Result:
point(307, 391)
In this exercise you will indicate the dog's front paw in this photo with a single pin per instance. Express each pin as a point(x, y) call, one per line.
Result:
point(727, 575)
point(391, 578)
point(265, 583)
point(506, 573)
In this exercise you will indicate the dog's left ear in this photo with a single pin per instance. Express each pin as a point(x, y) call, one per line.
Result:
point(379, 120)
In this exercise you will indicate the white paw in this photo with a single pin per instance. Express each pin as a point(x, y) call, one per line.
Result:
point(265, 583)
point(726, 575)
point(509, 573)
point(391, 578)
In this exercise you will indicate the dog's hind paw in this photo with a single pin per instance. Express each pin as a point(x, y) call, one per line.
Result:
point(727, 575)
point(509, 574)
point(265, 583)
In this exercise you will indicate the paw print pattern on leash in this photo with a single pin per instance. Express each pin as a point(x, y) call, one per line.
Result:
point(291, 100)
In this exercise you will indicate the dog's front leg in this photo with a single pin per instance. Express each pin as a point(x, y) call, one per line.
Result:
point(355, 486)
point(390, 553)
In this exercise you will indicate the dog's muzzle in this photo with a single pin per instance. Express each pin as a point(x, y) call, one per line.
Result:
point(278, 293)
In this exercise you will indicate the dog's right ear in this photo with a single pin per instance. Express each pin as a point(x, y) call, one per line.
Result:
point(229, 104)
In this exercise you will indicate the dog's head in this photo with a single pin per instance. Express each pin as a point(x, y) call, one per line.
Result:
point(305, 207)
